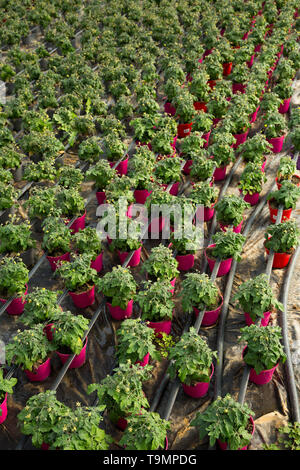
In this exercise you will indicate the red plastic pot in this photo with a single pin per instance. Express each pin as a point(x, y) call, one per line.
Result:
point(187, 167)
point(281, 260)
point(212, 84)
point(286, 214)
point(174, 188)
point(97, 263)
point(210, 317)
point(41, 373)
point(206, 138)
point(185, 262)
point(264, 321)
point(84, 299)
point(223, 445)
point(144, 361)
point(225, 265)
point(135, 260)
point(101, 196)
point(78, 360)
point(141, 195)
point(294, 176)
point(198, 390)
point(200, 105)
point(3, 407)
point(277, 143)
point(183, 130)
point(220, 173)
point(253, 116)
point(169, 109)
point(118, 313)
point(264, 377)
point(122, 167)
point(16, 307)
point(236, 229)
point(54, 261)
point(240, 138)
point(239, 87)
point(78, 224)
point(227, 69)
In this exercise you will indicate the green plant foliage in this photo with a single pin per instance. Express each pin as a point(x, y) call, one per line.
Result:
point(228, 245)
point(118, 285)
point(282, 238)
point(15, 238)
point(77, 275)
point(155, 301)
point(161, 264)
point(135, 340)
point(6, 386)
point(57, 236)
point(252, 179)
point(68, 330)
point(200, 292)
point(230, 210)
point(13, 276)
point(41, 305)
point(287, 195)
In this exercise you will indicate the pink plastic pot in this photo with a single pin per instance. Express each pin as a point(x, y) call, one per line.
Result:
point(264, 321)
point(240, 138)
point(238, 87)
point(198, 390)
point(284, 107)
point(210, 317)
point(206, 138)
point(206, 53)
point(119, 314)
point(16, 307)
point(3, 407)
point(97, 263)
point(253, 116)
point(78, 224)
point(227, 69)
point(220, 173)
point(122, 167)
point(223, 445)
point(85, 299)
point(144, 361)
point(101, 196)
point(236, 229)
point(209, 212)
point(251, 198)
point(161, 327)
point(280, 260)
point(78, 360)
point(185, 262)
point(187, 167)
point(156, 225)
point(264, 377)
point(277, 143)
point(225, 265)
point(286, 214)
point(49, 331)
point(41, 373)
point(141, 195)
point(250, 62)
point(169, 109)
point(200, 105)
point(183, 130)
point(174, 188)
point(264, 165)
point(54, 261)
point(135, 260)
point(245, 36)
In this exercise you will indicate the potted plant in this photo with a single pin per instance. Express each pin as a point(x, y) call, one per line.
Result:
point(169, 171)
point(6, 387)
point(17, 238)
point(30, 350)
point(159, 197)
point(284, 91)
point(190, 148)
point(120, 188)
point(56, 241)
point(184, 104)
point(287, 196)
point(270, 102)
point(13, 283)
point(282, 240)
point(114, 149)
point(145, 431)
point(200, 293)
point(185, 246)
point(256, 298)
point(162, 143)
point(275, 127)
point(251, 182)
point(254, 149)
point(144, 128)
point(161, 265)
point(67, 331)
point(157, 306)
point(132, 242)
point(206, 195)
point(227, 246)
point(238, 122)
point(230, 211)
point(262, 360)
point(39, 416)
point(122, 391)
point(239, 77)
point(69, 177)
point(294, 136)
point(141, 169)
point(119, 287)
point(79, 430)
point(88, 241)
point(214, 67)
point(8, 196)
point(90, 150)
point(40, 204)
point(202, 123)
point(40, 307)
point(199, 87)
point(43, 171)
point(136, 342)
point(192, 363)
point(79, 278)
point(71, 204)
point(222, 154)
point(102, 174)
point(286, 171)
point(202, 167)
point(226, 421)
